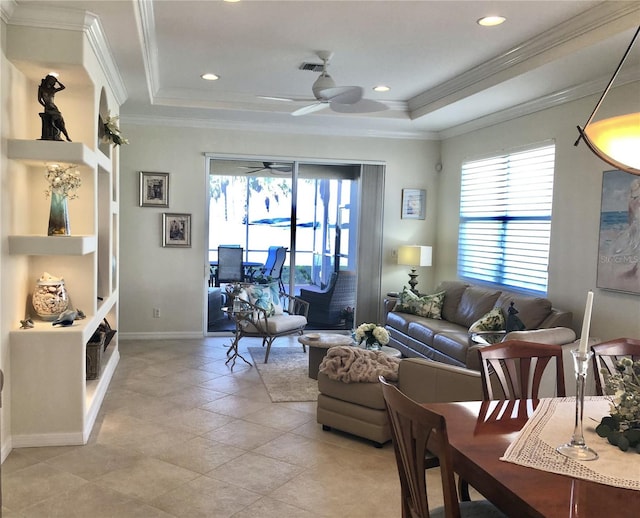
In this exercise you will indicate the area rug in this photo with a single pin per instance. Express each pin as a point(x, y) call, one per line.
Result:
point(286, 376)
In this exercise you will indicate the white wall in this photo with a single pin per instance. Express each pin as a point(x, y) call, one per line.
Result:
point(576, 209)
point(173, 279)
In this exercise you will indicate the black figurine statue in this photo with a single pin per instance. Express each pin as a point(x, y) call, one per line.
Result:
point(513, 322)
point(52, 120)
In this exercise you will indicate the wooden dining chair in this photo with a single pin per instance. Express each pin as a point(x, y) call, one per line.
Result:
point(417, 432)
point(517, 368)
point(605, 356)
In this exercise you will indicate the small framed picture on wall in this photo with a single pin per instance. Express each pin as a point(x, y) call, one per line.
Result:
point(414, 203)
point(154, 189)
point(176, 230)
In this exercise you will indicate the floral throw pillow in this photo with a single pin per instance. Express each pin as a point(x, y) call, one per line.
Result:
point(429, 306)
point(265, 296)
point(492, 321)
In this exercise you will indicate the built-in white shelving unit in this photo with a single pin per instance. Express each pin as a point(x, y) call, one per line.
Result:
point(52, 403)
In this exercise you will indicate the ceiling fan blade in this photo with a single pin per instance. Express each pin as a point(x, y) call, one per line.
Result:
point(320, 105)
point(362, 106)
point(343, 94)
point(286, 99)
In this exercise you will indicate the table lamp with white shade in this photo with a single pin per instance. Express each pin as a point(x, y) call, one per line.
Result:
point(414, 256)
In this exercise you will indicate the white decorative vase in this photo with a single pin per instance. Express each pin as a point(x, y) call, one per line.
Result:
point(50, 298)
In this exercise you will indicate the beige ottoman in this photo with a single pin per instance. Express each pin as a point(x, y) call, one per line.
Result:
point(355, 408)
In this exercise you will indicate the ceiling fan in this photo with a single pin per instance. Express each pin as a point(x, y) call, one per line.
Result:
point(342, 99)
point(271, 167)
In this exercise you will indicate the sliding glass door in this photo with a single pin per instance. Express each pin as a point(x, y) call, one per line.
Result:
point(311, 209)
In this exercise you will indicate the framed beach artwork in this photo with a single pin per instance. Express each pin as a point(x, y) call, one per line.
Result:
point(414, 203)
point(176, 230)
point(619, 243)
point(154, 189)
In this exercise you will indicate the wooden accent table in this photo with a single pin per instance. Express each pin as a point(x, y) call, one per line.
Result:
point(479, 436)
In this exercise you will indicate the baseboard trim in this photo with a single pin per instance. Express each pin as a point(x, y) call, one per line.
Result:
point(47, 439)
point(161, 336)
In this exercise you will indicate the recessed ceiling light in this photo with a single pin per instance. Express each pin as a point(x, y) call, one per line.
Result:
point(491, 21)
point(381, 88)
point(209, 77)
point(231, 1)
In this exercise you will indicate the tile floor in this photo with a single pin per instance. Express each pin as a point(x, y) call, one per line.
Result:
point(181, 435)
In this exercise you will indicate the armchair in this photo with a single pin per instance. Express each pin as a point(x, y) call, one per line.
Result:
point(260, 322)
point(326, 306)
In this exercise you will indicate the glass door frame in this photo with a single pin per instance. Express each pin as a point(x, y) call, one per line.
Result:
point(296, 162)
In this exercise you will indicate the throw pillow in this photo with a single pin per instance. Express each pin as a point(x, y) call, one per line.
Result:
point(492, 321)
point(429, 306)
point(405, 301)
point(265, 296)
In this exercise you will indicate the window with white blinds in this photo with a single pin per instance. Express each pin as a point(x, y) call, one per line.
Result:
point(505, 219)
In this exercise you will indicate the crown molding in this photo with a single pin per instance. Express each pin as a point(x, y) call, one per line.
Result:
point(606, 17)
point(542, 103)
point(145, 21)
point(270, 127)
point(7, 7)
point(46, 17)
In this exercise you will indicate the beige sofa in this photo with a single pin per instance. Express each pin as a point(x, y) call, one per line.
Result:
point(447, 340)
point(358, 408)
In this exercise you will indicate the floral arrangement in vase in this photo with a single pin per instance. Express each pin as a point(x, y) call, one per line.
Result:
point(373, 335)
point(63, 180)
point(112, 131)
point(622, 426)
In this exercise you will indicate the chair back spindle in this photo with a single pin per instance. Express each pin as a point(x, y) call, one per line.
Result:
point(518, 368)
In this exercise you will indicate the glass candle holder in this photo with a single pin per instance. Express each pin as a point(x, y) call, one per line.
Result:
point(577, 448)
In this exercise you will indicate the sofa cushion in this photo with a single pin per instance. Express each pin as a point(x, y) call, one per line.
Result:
point(400, 321)
point(491, 321)
point(429, 306)
point(425, 329)
point(453, 293)
point(532, 310)
point(453, 344)
point(475, 303)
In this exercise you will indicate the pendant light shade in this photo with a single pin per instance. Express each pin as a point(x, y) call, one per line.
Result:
point(615, 140)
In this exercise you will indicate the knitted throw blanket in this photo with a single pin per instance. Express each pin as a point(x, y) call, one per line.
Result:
point(353, 365)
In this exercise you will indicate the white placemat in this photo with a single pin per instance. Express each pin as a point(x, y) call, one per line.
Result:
point(552, 425)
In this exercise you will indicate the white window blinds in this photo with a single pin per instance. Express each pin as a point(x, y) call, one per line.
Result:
point(505, 219)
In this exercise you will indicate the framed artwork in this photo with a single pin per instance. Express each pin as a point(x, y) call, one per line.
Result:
point(414, 203)
point(176, 230)
point(154, 189)
point(619, 242)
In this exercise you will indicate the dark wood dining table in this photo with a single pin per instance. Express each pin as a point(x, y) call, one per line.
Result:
point(480, 432)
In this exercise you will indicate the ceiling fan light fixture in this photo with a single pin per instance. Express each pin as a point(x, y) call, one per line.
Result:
point(209, 76)
point(491, 21)
point(324, 82)
point(615, 140)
